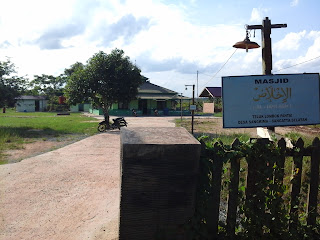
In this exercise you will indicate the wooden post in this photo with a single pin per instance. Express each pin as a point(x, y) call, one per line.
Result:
point(233, 200)
point(266, 46)
point(280, 162)
point(314, 183)
point(296, 184)
point(213, 218)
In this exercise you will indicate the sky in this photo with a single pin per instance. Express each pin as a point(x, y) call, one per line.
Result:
point(170, 41)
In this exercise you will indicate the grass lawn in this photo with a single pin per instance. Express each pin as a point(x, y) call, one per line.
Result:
point(19, 128)
point(205, 127)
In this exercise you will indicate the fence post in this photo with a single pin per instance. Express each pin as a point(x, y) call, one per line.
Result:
point(280, 161)
point(296, 183)
point(213, 218)
point(254, 176)
point(233, 199)
point(314, 182)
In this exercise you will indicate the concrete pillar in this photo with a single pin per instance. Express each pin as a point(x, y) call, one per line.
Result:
point(159, 168)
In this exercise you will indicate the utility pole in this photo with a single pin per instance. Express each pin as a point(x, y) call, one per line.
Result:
point(181, 106)
point(266, 46)
point(192, 119)
point(192, 110)
point(197, 85)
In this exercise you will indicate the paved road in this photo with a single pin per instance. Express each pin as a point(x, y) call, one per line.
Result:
point(70, 193)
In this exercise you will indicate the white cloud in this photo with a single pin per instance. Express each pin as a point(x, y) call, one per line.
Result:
point(290, 42)
point(258, 14)
point(313, 34)
point(25, 20)
point(158, 36)
point(173, 38)
point(294, 3)
point(308, 62)
point(314, 50)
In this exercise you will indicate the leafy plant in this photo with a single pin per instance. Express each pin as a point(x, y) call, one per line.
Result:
point(263, 196)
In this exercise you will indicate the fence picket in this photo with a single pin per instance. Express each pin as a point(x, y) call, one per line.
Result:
point(219, 154)
point(215, 191)
point(314, 183)
point(296, 182)
point(233, 200)
point(280, 162)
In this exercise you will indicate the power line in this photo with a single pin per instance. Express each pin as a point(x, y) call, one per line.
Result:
point(221, 67)
point(297, 64)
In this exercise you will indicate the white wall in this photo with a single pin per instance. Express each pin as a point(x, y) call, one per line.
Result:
point(25, 105)
point(30, 106)
point(74, 108)
point(208, 107)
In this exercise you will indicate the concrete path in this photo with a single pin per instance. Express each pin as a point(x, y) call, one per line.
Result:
point(70, 193)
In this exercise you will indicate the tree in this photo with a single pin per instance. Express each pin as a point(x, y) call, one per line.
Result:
point(74, 67)
point(10, 86)
point(105, 79)
point(48, 85)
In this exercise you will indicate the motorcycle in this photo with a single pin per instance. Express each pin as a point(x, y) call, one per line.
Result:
point(117, 123)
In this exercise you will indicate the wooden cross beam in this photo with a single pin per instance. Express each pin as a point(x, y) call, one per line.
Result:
point(266, 43)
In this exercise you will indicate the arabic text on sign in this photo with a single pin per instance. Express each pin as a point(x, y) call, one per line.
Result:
point(271, 93)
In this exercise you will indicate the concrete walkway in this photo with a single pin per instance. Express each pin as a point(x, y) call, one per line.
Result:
point(70, 193)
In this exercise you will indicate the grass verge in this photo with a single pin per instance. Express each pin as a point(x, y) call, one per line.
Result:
point(17, 129)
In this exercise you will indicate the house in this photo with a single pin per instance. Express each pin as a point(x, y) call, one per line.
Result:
point(150, 97)
point(211, 92)
point(82, 107)
point(31, 103)
point(214, 94)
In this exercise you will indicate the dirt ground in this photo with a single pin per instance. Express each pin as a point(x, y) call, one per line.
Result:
point(69, 193)
point(72, 192)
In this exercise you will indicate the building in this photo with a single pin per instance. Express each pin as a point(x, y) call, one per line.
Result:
point(150, 97)
point(214, 94)
point(211, 92)
point(31, 103)
point(82, 107)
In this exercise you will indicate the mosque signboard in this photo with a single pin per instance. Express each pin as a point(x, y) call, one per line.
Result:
point(271, 100)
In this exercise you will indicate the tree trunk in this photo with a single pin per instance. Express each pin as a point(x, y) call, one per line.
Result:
point(106, 114)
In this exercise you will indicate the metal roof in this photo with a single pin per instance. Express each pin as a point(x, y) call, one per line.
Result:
point(162, 97)
point(211, 92)
point(147, 88)
point(25, 97)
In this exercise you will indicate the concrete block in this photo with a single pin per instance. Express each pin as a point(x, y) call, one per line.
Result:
point(159, 168)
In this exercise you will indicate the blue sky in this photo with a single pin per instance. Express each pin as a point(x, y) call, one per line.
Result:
point(169, 40)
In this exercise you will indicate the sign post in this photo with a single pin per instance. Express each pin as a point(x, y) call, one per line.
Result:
point(266, 46)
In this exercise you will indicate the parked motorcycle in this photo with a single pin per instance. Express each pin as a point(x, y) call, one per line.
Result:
point(117, 123)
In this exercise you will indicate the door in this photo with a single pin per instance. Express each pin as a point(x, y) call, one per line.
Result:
point(143, 106)
point(37, 105)
point(81, 107)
